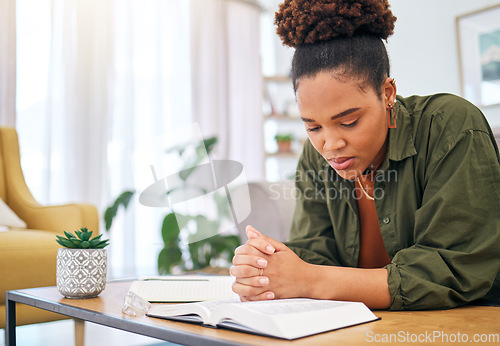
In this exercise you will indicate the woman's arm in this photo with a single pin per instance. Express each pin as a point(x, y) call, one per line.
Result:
point(285, 275)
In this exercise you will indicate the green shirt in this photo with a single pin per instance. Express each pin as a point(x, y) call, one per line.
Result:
point(437, 197)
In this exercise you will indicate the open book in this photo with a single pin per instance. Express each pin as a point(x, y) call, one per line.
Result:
point(282, 318)
point(183, 288)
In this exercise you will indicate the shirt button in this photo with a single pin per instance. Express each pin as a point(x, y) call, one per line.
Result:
point(386, 220)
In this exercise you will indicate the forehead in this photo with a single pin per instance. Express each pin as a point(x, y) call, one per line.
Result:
point(322, 96)
point(326, 87)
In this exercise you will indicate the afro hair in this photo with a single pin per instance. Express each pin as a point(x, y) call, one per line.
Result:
point(302, 22)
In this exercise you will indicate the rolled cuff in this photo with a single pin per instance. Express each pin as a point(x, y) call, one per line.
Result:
point(394, 282)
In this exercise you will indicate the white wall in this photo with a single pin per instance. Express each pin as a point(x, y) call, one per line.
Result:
point(423, 49)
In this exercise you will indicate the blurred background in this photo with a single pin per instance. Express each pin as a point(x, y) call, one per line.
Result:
point(97, 80)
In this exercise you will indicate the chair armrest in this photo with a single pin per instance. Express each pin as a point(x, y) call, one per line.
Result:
point(59, 218)
point(19, 198)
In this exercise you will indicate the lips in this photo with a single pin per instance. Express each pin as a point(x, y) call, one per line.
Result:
point(341, 163)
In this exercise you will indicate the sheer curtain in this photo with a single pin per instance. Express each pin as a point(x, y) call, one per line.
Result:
point(226, 79)
point(113, 74)
point(7, 63)
point(151, 95)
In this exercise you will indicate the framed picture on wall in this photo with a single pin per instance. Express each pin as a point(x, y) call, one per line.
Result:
point(478, 36)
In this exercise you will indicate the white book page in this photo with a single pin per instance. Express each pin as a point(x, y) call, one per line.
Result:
point(291, 306)
point(191, 312)
point(180, 312)
point(283, 318)
point(292, 318)
point(192, 288)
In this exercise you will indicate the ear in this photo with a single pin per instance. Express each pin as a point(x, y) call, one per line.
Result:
point(389, 90)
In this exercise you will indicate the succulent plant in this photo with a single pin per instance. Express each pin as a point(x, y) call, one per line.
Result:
point(82, 240)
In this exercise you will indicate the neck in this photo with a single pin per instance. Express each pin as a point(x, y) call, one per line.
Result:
point(374, 167)
point(377, 162)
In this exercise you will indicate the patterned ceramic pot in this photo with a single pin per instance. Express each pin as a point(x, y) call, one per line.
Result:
point(81, 273)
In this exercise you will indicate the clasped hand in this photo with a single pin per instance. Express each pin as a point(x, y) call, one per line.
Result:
point(267, 269)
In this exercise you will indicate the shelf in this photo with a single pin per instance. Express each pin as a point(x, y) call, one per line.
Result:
point(278, 79)
point(290, 154)
point(281, 117)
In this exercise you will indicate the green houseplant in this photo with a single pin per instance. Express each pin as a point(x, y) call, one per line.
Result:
point(82, 239)
point(176, 254)
point(81, 264)
point(284, 142)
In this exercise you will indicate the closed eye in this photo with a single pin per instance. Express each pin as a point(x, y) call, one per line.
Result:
point(350, 124)
point(312, 129)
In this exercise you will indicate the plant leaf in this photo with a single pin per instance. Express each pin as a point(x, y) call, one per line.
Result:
point(194, 252)
point(210, 143)
point(170, 228)
point(110, 213)
point(202, 150)
point(95, 241)
point(97, 237)
point(76, 242)
point(65, 242)
point(102, 244)
point(68, 235)
point(168, 258)
point(85, 235)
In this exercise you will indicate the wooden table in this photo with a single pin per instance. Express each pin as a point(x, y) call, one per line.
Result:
point(469, 323)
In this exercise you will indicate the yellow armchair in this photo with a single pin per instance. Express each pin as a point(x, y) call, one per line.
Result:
point(28, 256)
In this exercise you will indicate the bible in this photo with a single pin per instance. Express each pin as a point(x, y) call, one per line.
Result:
point(282, 318)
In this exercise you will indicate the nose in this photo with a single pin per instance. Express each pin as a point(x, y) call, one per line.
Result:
point(333, 143)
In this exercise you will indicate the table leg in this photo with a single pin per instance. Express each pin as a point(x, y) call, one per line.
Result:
point(79, 332)
point(10, 322)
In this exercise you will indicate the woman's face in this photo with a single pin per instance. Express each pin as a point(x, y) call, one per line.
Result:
point(347, 126)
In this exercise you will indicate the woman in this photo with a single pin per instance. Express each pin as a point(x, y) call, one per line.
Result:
point(399, 197)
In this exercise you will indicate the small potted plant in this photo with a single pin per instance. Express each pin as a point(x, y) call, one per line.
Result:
point(81, 264)
point(284, 142)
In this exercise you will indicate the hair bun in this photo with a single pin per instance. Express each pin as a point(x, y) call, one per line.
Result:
point(311, 21)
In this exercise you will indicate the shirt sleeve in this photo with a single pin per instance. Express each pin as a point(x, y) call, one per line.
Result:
point(456, 253)
point(311, 234)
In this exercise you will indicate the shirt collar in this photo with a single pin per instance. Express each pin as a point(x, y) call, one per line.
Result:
point(400, 145)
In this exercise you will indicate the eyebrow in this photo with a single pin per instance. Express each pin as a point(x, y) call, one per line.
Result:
point(333, 117)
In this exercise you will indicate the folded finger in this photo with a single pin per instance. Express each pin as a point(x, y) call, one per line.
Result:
point(248, 249)
point(255, 281)
point(244, 271)
point(261, 244)
point(273, 243)
point(247, 291)
point(255, 261)
point(267, 295)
